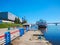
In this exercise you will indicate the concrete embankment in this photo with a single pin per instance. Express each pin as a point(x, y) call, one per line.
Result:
point(31, 38)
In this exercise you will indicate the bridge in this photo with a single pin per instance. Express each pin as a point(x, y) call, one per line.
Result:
point(56, 23)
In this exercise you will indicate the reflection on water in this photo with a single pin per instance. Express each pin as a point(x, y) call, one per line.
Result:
point(52, 34)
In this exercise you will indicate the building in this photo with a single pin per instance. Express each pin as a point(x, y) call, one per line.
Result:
point(7, 17)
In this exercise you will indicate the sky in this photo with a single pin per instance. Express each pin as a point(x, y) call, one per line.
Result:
point(33, 10)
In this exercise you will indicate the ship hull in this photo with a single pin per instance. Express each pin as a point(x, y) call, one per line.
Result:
point(42, 26)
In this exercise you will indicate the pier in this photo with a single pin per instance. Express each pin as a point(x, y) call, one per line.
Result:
point(31, 38)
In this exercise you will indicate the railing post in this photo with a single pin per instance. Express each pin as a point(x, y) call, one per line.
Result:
point(7, 38)
point(21, 30)
point(27, 28)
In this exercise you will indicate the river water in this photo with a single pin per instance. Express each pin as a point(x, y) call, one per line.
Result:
point(52, 34)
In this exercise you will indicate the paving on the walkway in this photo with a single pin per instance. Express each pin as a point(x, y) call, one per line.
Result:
point(29, 39)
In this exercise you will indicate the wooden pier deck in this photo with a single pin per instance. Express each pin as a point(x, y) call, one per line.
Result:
point(29, 39)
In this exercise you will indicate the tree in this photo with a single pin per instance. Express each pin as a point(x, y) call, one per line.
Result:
point(24, 20)
point(17, 20)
